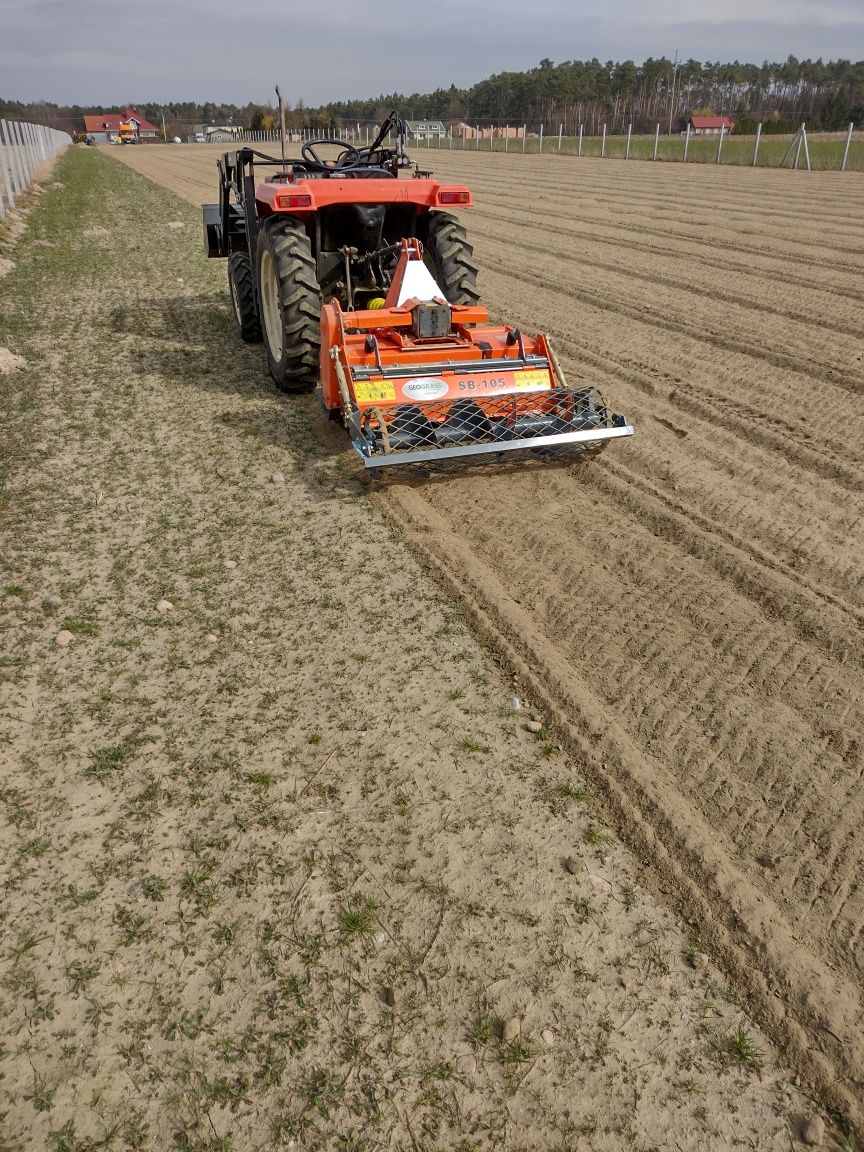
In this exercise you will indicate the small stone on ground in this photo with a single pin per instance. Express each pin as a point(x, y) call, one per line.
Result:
point(813, 1130)
point(511, 1029)
point(10, 361)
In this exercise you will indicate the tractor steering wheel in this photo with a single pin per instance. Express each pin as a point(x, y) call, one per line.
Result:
point(347, 158)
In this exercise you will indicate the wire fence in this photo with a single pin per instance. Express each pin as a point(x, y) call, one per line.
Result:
point(843, 151)
point(23, 147)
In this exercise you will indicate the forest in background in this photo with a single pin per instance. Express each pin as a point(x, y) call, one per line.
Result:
point(827, 95)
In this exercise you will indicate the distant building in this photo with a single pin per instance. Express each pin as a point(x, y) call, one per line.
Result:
point(460, 130)
point(216, 133)
point(425, 130)
point(710, 125)
point(107, 127)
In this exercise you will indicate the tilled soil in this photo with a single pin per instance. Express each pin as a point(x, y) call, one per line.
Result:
point(688, 607)
point(283, 865)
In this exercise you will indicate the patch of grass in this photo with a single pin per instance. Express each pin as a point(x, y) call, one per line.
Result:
point(357, 919)
point(561, 794)
point(484, 1029)
point(107, 762)
point(596, 837)
point(154, 888)
point(469, 744)
point(84, 625)
point(739, 1049)
point(517, 1058)
point(79, 974)
point(261, 779)
point(27, 941)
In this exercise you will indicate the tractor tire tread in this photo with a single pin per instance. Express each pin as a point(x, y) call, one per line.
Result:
point(300, 300)
point(240, 280)
point(447, 243)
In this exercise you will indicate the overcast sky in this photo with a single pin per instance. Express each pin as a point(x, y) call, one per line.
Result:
point(111, 51)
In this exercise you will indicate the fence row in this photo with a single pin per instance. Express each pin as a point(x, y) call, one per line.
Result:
point(838, 151)
point(23, 147)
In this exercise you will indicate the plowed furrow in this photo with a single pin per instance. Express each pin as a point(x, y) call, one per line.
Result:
point(709, 333)
point(686, 610)
point(816, 313)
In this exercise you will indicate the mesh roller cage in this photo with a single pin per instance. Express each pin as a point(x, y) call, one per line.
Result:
point(575, 419)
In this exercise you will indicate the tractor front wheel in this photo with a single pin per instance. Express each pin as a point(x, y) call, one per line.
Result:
point(290, 303)
point(450, 258)
point(243, 297)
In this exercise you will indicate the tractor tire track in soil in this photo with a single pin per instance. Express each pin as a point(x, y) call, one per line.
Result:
point(687, 606)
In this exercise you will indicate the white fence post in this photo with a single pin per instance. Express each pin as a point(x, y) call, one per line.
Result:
point(686, 142)
point(656, 141)
point(806, 146)
point(23, 148)
point(9, 171)
point(756, 145)
point(603, 145)
point(560, 130)
point(579, 153)
point(29, 158)
point(477, 137)
point(524, 135)
point(23, 158)
point(6, 163)
point(491, 135)
point(629, 134)
point(540, 153)
point(846, 149)
point(507, 138)
point(720, 143)
point(18, 155)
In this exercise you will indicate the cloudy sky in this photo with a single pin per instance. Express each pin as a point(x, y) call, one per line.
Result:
point(92, 51)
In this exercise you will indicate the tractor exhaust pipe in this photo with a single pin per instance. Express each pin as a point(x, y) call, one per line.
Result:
point(282, 128)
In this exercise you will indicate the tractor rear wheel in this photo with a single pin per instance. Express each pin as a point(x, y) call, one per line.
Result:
point(243, 297)
point(290, 303)
point(450, 258)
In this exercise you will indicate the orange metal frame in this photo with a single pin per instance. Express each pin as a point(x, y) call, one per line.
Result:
point(377, 341)
point(303, 197)
point(395, 346)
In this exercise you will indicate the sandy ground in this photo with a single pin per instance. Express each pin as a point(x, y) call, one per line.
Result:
point(280, 861)
point(690, 609)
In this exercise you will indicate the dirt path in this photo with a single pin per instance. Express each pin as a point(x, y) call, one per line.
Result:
point(692, 607)
point(279, 859)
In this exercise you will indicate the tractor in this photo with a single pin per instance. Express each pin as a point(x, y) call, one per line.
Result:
point(361, 282)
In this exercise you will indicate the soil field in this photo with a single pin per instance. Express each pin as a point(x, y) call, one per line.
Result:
point(689, 607)
point(285, 860)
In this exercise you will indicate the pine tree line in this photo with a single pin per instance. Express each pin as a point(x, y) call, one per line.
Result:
point(588, 92)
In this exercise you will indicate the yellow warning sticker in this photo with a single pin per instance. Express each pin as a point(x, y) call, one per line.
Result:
point(374, 391)
point(535, 378)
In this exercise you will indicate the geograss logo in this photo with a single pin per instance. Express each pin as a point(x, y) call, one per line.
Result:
point(425, 388)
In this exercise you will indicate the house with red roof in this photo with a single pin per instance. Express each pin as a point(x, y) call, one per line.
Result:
point(106, 127)
point(710, 125)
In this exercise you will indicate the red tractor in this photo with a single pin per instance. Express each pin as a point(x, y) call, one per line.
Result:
point(362, 283)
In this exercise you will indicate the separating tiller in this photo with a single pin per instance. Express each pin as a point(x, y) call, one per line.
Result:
point(363, 284)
